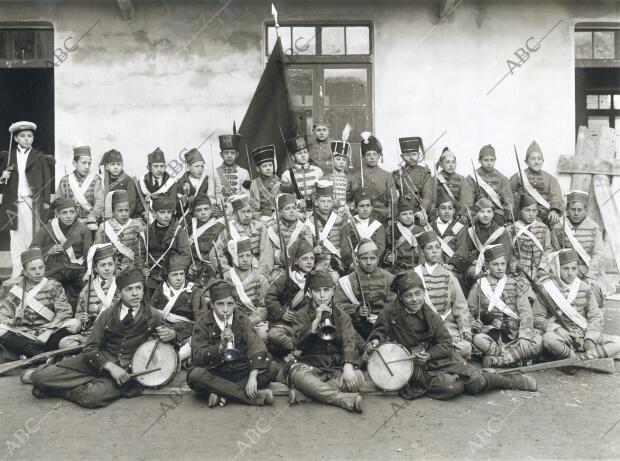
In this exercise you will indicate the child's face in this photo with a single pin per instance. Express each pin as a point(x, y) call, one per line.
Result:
point(446, 211)
point(368, 262)
point(229, 156)
point(114, 169)
point(176, 279)
point(289, 212)
point(406, 217)
point(105, 268)
point(485, 216)
point(321, 132)
point(121, 212)
point(410, 158)
point(266, 169)
point(528, 213)
point(576, 211)
point(340, 163)
point(305, 262)
point(82, 165)
point(35, 270)
point(24, 139)
point(325, 204)
point(487, 162)
point(163, 217)
point(302, 157)
point(497, 267)
point(448, 163)
point(322, 295)
point(67, 216)
point(157, 169)
point(535, 161)
point(371, 157)
point(244, 215)
point(196, 169)
point(364, 208)
point(224, 308)
point(413, 299)
point(245, 260)
point(203, 212)
point(432, 252)
point(569, 272)
point(131, 295)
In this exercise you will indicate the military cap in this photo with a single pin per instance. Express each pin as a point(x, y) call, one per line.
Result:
point(157, 156)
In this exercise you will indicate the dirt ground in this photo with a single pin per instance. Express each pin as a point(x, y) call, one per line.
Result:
point(574, 417)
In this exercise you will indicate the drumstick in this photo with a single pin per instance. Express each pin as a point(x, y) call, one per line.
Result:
point(143, 372)
point(411, 357)
point(384, 362)
point(148, 362)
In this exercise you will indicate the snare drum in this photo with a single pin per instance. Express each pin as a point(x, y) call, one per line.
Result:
point(164, 357)
point(401, 370)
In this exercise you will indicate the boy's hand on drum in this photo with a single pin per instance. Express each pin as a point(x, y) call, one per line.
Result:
point(117, 373)
point(166, 334)
point(372, 345)
point(420, 358)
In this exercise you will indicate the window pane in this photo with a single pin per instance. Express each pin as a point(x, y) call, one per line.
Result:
point(339, 116)
point(592, 101)
point(4, 45)
point(23, 44)
point(617, 123)
point(358, 40)
point(595, 122)
point(604, 101)
point(583, 45)
point(304, 40)
point(45, 44)
point(299, 87)
point(345, 87)
point(285, 35)
point(303, 119)
point(616, 102)
point(332, 40)
point(603, 45)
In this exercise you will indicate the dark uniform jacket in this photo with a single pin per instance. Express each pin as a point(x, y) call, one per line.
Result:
point(111, 341)
point(182, 307)
point(39, 176)
point(417, 182)
point(277, 298)
point(78, 236)
point(327, 355)
point(148, 181)
point(206, 342)
point(123, 182)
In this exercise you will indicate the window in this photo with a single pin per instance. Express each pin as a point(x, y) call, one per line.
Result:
point(329, 74)
point(26, 45)
point(597, 45)
point(602, 110)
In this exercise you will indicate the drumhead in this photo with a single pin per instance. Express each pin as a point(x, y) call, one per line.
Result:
point(165, 357)
point(401, 371)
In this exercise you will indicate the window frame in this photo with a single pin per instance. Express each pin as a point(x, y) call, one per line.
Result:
point(598, 27)
point(38, 62)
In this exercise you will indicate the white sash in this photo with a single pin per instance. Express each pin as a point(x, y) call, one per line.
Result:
point(427, 296)
point(31, 302)
point(366, 230)
point(198, 231)
point(172, 296)
point(79, 190)
point(62, 240)
point(533, 192)
point(347, 288)
point(275, 239)
point(243, 296)
point(301, 284)
point(162, 190)
point(490, 192)
point(105, 298)
point(200, 181)
point(566, 304)
point(480, 247)
point(325, 233)
point(443, 182)
point(234, 233)
point(495, 296)
point(583, 254)
point(407, 235)
point(113, 236)
point(525, 230)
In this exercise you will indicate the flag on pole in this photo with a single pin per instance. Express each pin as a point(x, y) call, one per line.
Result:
point(269, 119)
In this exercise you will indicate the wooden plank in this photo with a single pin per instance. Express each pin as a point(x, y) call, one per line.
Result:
point(584, 150)
point(571, 164)
point(610, 213)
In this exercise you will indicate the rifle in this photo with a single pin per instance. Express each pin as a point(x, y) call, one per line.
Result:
point(6, 367)
point(392, 234)
point(548, 303)
point(519, 168)
point(147, 209)
point(476, 178)
point(356, 270)
point(189, 241)
point(605, 365)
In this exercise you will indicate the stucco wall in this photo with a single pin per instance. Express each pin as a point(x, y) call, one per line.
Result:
point(137, 85)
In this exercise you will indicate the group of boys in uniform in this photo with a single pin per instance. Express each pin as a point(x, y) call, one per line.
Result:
point(316, 268)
